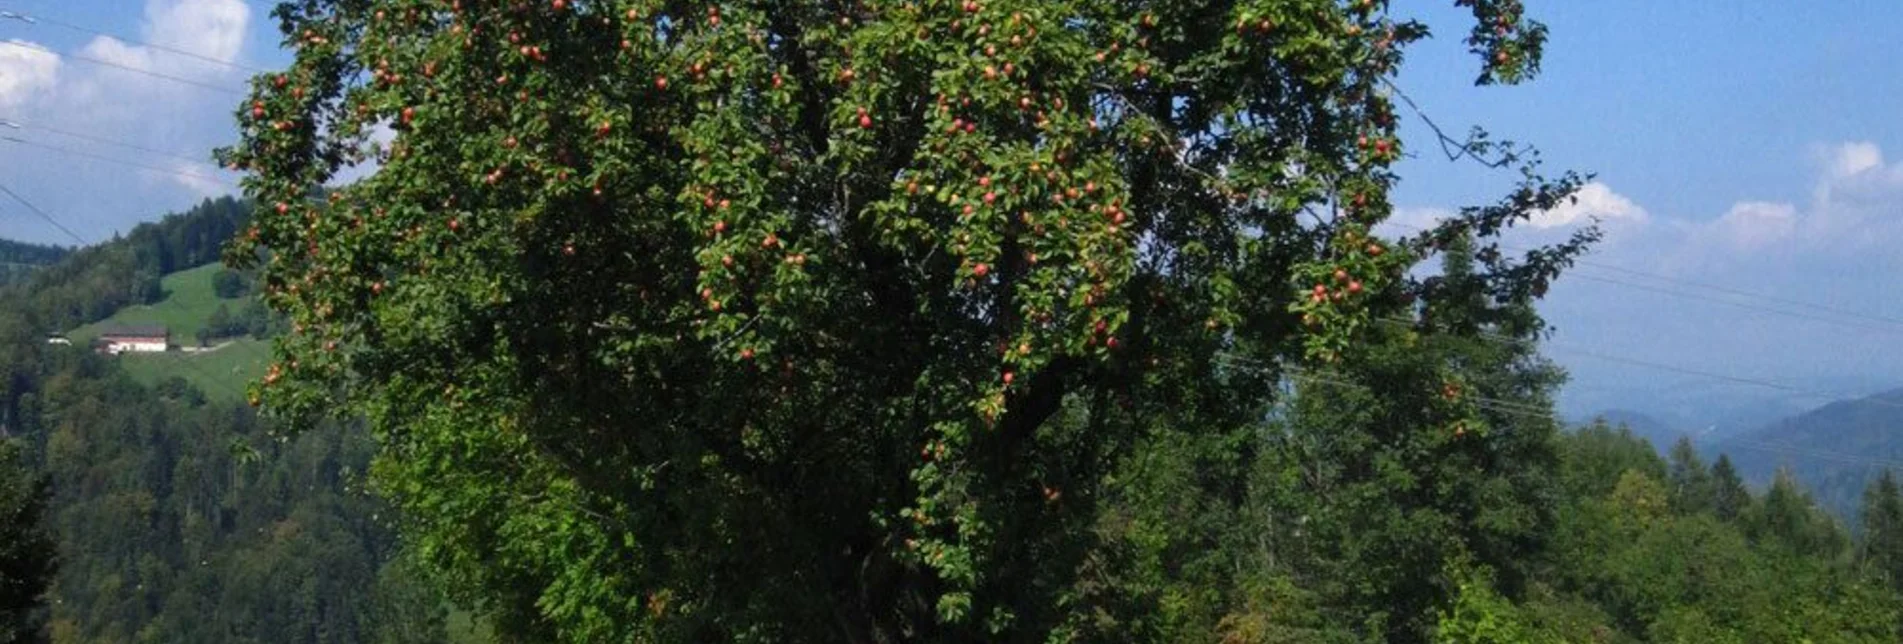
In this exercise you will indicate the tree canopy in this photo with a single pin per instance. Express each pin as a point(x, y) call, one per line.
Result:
point(762, 320)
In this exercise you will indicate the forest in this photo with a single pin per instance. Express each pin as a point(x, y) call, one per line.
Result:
point(913, 320)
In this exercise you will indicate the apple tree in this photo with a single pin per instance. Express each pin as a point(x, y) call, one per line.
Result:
point(755, 320)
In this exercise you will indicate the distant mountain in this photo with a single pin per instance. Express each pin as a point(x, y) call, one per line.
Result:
point(1834, 450)
point(1709, 411)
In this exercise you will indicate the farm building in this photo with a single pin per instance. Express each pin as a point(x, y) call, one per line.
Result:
point(138, 338)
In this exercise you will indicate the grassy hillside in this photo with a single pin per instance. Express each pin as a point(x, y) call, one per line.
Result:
point(222, 373)
point(188, 301)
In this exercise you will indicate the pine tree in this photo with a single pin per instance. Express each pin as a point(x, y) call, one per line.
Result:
point(1882, 545)
point(1691, 483)
point(1729, 499)
point(1427, 447)
point(1789, 519)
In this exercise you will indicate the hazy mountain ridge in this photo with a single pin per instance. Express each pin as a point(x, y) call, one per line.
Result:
point(1834, 450)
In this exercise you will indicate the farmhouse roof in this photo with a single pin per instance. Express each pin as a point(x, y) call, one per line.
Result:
point(135, 331)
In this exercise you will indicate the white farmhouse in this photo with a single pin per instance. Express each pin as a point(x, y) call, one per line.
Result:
point(137, 338)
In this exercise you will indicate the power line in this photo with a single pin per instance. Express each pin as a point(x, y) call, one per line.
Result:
point(32, 19)
point(1740, 293)
point(129, 68)
point(49, 218)
point(1795, 314)
point(1896, 323)
point(9, 123)
point(135, 164)
point(1814, 393)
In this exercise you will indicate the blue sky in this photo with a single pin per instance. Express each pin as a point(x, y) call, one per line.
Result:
point(1748, 144)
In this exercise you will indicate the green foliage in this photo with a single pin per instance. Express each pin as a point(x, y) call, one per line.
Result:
point(1729, 497)
point(1691, 484)
point(228, 284)
point(184, 520)
point(178, 515)
point(750, 321)
point(1479, 614)
point(1881, 547)
point(26, 550)
point(1597, 455)
point(1788, 518)
point(1663, 575)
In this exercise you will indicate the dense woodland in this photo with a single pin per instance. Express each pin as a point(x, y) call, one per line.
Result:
point(785, 322)
point(176, 518)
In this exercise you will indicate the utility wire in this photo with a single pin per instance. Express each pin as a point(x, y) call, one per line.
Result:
point(129, 68)
point(9, 123)
point(36, 210)
point(32, 19)
point(1718, 300)
point(1768, 384)
point(1896, 323)
point(135, 164)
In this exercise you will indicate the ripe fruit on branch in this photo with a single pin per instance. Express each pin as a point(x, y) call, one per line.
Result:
point(980, 270)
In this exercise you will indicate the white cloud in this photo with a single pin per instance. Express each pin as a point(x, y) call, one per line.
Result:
point(25, 71)
point(194, 178)
point(210, 28)
point(1751, 225)
point(49, 93)
point(1853, 158)
point(1407, 221)
point(1594, 200)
